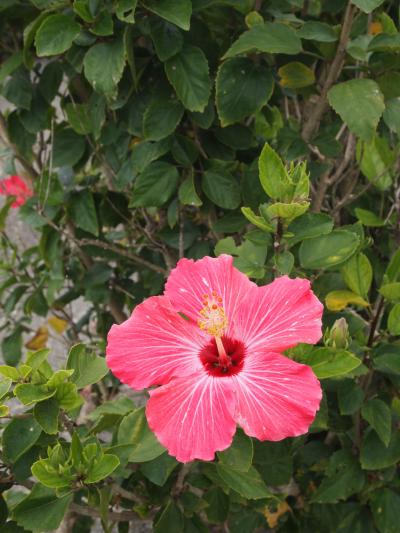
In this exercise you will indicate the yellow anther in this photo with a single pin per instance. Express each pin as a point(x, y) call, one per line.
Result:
point(213, 319)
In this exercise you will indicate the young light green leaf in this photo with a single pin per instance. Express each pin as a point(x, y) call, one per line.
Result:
point(88, 367)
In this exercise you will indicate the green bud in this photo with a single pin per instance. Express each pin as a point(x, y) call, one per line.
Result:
point(338, 335)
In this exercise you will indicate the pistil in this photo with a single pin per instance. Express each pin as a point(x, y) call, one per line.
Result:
point(223, 358)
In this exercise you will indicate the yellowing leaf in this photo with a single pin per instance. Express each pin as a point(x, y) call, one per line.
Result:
point(39, 340)
point(58, 324)
point(374, 28)
point(273, 517)
point(338, 300)
point(295, 75)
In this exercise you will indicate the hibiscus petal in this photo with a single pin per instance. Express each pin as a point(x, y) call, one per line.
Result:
point(280, 315)
point(276, 397)
point(153, 345)
point(191, 280)
point(193, 416)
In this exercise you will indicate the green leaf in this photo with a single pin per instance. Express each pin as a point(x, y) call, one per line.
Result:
point(391, 115)
point(135, 431)
point(19, 436)
point(368, 218)
point(296, 75)
point(104, 64)
point(329, 250)
point(374, 455)
point(379, 416)
point(187, 193)
point(242, 88)
point(274, 177)
point(360, 104)
point(161, 118)
point(167, 39)
point(258, 221)
point(221, 188)
point(11, 347)
point(88, 367)
point(376, 160)
point(158, 470)
point(367, 5)
point(389, 362)
point(248, 484)
point(331, 363)
point(155, 185)
point(83, 212)
point(176, 11)
point(394, 320)
point(318, 31)
point(55, 35)
point(143, 153)
point(357, 274)
point(28, 393)
point(101, 468)
point(68, 147)
point(344, 478)
point(46, 415)
point(393, 269)
point(273, 38)
point(309, 225)
point(41, 510)
point(240, 454)
point(287, 211)
point(391, 291)
point(5, 385)
point(188, 74)
point(385, 506)
point(50, 476)
point(125, 10)
point(170, 520)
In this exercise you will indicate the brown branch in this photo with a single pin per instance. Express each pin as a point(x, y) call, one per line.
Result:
point(333, 74)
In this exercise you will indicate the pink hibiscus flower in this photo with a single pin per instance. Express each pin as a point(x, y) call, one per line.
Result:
point(15, 186)
point(213, 342)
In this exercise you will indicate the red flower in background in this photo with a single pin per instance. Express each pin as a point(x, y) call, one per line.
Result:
point(15, 186)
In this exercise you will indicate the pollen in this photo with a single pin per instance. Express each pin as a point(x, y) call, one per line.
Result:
point(212, 316)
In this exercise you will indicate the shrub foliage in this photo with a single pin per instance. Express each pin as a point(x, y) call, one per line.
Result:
point(156, 129)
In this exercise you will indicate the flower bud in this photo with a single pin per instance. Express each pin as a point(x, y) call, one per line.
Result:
point(338, 335)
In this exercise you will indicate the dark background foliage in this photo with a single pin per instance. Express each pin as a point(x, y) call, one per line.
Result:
point(140, 125)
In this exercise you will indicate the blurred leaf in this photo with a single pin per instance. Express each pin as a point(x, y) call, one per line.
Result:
point(83, 212)
point(39, 340)
point(58, 324)
point(374, 455)
point(318, 31)
point(367, 6)
point(159, 469)
point(368, 218)
point(391, 291)
point(170, 520)
point(357, 274)
point(385, 506)
point(394, 320)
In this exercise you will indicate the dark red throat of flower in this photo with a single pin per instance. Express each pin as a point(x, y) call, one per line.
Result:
point(223, 357)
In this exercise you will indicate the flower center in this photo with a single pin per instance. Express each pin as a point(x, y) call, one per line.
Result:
point(212, 316)
point(223, 357)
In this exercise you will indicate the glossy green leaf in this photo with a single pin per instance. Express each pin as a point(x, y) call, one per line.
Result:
point(102, 468)
point(28, 393)
point(188, 74)
point(367, 5)
point(394, 320)
point(104, 64)
point(329, 250)
point(46, 415)
point(155, 185)
point(274, 177)
point(88, 367)
point(248, 484)
point(187, 193)
point(18, 436)
point(176, 11)
point(273, 38)
point(242, 88)
point(318, 31)
point(55, 35)
point(161, 118)
point(221, 188)
point(330, 363)
point(357, 274)
point(378, 415)
point(360, 104)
